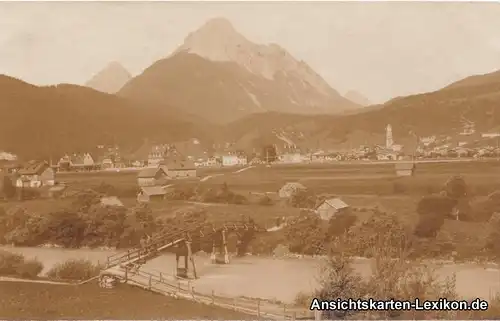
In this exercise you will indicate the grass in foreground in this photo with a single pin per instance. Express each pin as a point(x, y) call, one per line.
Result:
point(46, 301)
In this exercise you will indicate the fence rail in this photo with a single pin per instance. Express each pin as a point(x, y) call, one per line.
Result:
point(168, 285)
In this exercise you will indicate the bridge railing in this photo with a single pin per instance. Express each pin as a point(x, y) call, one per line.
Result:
point(171, 236)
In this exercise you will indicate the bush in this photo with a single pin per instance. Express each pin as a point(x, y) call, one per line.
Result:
point(181, 193)
point(12, 264)
point(305, 235)
point(302, 199)
point(30, 269)
point(428, 226)
point(222, 194)
point(76, 270)
point(455, 187)
point(391, 278)
point(9, 262)
point(265, 200)
point(436, 205)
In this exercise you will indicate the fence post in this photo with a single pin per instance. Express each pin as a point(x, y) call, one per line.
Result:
point(294, 316)
point(284, 311)
point(213, 297)
point(234, 304)
point(192, 292)
point(258, 309)
point(317, 315)
point(179, 285)
point(161, 278)
point(126, 274)
point(107, 261)
point(150, 282)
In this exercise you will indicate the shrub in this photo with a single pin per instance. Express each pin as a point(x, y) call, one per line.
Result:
point(305, 235)
point(265, 200)
point(65, 228)
point(9, 262)
point(12, 264)
point(181, 193)
point(29, 269)
point(222, 194)
point(391, 278)
point(340, 224)
point(436, 204)
point(455, 187)
point(77, 270)
point(428, 226)
point(302, 199)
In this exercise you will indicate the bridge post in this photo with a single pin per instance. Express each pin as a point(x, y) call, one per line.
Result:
point(224, 244)
point(191, 258)
point(213, 256)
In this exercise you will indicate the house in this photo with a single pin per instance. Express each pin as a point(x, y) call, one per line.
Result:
point(157, 155)
point(36, 174)
point(111, 201)
point(230, 160)
point(331, 207)
point(290, 158)
point(88, 161)
point(181, 168)
point(107, 162)
point(77, 163)
point(242, 160)
point(405, 169)
point(151, 193)
point(151, 176)
point(64, 163)
point(289, 189)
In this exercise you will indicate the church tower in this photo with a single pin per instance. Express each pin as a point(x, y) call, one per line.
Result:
point(388, 136)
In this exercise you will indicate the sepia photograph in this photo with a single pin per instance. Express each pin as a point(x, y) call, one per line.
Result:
point(249, 160)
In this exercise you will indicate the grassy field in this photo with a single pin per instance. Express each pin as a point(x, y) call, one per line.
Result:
point(19, 300)
point(341, 179)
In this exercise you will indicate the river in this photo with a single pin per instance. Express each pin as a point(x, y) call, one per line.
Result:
point(268, 278)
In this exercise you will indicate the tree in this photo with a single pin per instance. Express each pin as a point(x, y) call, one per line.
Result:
point(456, 187)
point(269, 153)
point(8, 189)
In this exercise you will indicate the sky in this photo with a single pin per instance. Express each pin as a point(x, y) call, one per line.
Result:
point(379, 49)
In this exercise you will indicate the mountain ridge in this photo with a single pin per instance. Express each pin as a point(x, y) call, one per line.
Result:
point(233, 78)
point(110, 79)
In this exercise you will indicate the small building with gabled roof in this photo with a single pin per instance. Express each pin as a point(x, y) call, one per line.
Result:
point(151, 193)
point(151, 176)
point(331, 207)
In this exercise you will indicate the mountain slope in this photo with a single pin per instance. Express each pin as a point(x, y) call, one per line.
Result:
point(477, 80)
point(111, 79)
point(357, 98)
point(221, 76)
point(436, 113)
point(50, 121)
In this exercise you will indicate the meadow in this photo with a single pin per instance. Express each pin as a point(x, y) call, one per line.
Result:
point(335, 178)
point(23, 300)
